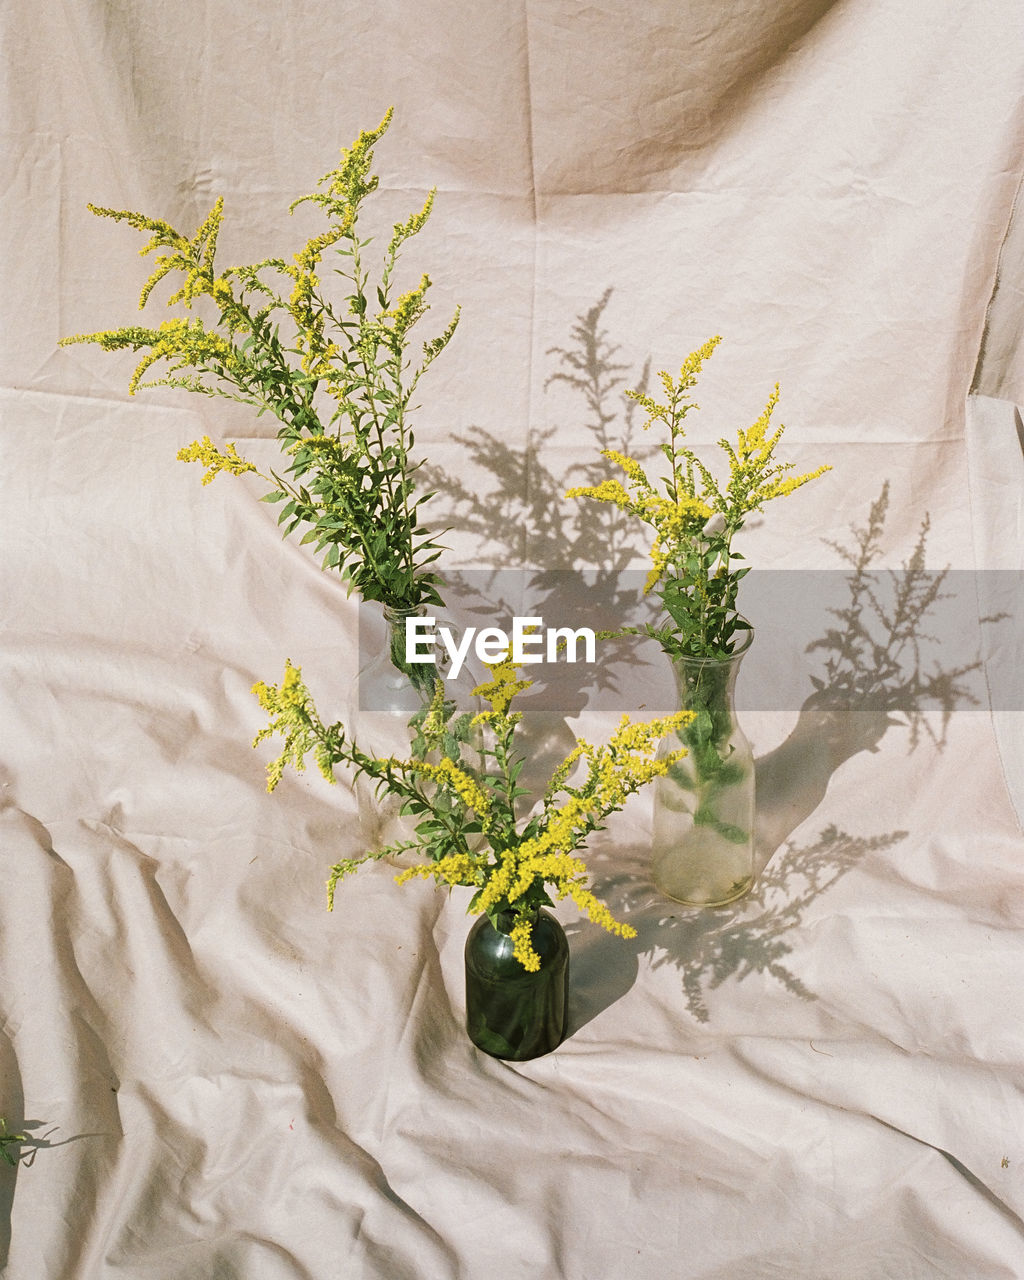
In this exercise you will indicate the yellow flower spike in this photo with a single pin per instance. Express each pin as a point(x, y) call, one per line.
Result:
point(754, 438)
point(294, 717)
point(415, 223)
point(448, 772)
point(691, 557)
point(208, 232)
point(596, 911)
point(498, 885)
point(349, 182)
point(657, 568)
point(421, 871)
point(164, 265)
point(694, 362)
point(632, 468)
point(163, 232)
point(501, 688)
point(434, 721)
point(522, 945)
point(606, 491)
point(657, 412)
point(563, 771)
point(206, 452)
point(781, 487)
point(455, 869)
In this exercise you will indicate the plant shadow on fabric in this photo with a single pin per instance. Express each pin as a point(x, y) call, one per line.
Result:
point(522, 518)
point(18, 1148)
point(581, 549)
point(708, 948)
point(875, 679)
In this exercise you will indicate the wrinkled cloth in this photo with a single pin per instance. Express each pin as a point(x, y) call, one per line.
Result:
point(218, 1078)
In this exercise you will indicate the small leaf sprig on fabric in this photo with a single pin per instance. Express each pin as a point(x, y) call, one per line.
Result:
point(9, 1140)
point(340, 384)
point(693, 564)
point(468, 832)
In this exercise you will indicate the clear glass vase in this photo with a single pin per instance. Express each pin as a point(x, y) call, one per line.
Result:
point(703, 829)
point(386, 694)
point(511, 1012)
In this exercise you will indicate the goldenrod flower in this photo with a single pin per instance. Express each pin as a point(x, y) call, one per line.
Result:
point(607, 491)
point(206, 452)
point(519, 868)
point(448, 773)
point(632, 468)
point(522, 944)
point(690, 556)
point(501, 688)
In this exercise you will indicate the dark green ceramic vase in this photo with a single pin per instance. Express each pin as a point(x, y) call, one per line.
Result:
point(511, 1012)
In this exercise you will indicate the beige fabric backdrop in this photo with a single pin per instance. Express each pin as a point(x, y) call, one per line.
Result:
point(218, 1078)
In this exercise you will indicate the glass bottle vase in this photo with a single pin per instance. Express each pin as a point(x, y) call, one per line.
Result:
point(703, 828)
point(511, 1012)
point(387, 693)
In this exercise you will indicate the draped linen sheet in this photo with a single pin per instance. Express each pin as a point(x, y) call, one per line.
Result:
point(217, 1078)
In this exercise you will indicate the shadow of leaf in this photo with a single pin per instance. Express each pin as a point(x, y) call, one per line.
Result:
point(876, 677)
point(709, 948)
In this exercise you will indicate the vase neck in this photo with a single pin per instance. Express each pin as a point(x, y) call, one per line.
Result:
point(709, 676)
point(395, 616)
point(504, 921)
point(390, 656)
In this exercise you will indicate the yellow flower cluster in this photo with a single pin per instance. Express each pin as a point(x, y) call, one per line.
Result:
point(607, 491)
point(291, 693)
point(414, 224)
point(197, 264)
point(680, 516)
point(194, 257)
point(644, 737)
point(522, 944)
point(454, 869)
point(522, 866)
point(673, 521)
point(519, 867)
point(294, 718)
point(752, 443)
point(187, 342)
point(206, 452)
point(632, 468)
point(163, 233)
point(434, 721)
point(561, 774)
point(500, 689)
point(447, 772)
point(303, 304)
point(409, 307)
point(349, 182)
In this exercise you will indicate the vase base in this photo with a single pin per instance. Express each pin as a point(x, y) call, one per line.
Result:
point(509, 1054)
point(709, 901)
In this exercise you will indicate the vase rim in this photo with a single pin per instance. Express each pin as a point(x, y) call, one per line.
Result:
point(710, 660)
point(393, 611)
point(533, 915)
